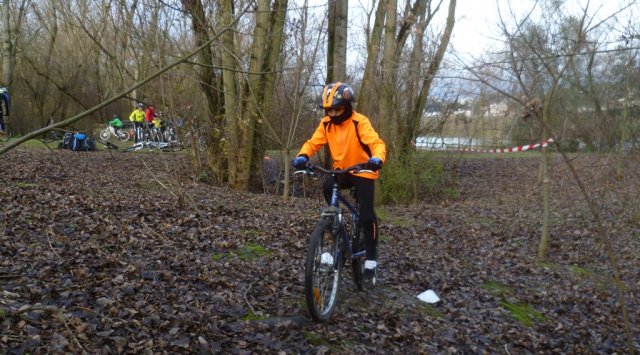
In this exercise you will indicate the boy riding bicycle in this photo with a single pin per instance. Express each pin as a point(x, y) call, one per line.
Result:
point(116, 123)
point(351, 140)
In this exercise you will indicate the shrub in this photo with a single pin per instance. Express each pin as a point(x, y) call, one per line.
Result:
point(397, 180)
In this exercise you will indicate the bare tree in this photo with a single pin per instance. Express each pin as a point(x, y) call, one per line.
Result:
point(337, 41)
point(297, 88)
point(247, 87)
point(537, 59)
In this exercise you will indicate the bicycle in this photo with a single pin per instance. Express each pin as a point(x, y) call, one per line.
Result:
point(333, 241)
point(170, 134)
point(108, 131)
point(194, 138)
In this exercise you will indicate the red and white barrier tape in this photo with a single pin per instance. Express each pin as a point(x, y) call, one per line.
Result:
point(521, 148)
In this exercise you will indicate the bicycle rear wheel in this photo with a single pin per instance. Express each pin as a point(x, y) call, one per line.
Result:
point(105, 134)
point(322, 271)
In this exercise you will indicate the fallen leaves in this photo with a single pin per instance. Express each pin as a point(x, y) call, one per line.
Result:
point(104, 261)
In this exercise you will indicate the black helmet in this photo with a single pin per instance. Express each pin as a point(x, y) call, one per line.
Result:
point(336, 95)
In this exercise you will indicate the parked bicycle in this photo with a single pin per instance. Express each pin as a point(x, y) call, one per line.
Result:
point(334, 240)
point(188, 135)
point(109, 131)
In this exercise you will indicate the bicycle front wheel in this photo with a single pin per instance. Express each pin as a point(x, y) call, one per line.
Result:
point(322, 271)
point(124, 136)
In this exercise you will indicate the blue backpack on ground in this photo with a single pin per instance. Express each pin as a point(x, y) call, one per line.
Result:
point(79, 142)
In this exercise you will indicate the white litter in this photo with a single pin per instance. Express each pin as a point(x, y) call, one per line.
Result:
point(429, 296)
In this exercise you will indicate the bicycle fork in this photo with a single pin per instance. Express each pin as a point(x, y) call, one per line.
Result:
point(338, 232)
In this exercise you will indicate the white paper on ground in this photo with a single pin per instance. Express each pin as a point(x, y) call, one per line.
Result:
point(429, 296)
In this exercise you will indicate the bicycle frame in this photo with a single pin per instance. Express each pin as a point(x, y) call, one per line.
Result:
point(336, 199)
point(334, 208)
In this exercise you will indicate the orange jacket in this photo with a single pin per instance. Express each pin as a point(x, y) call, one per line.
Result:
point(348, 142)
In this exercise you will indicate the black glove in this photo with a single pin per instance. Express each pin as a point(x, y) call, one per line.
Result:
point(374, 163)
point(300, 162)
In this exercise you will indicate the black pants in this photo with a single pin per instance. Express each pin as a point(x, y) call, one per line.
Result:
point(364, 193)
point(1, 121)
point(136, 131)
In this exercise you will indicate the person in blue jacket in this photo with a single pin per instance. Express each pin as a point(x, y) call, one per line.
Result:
point(4, 107)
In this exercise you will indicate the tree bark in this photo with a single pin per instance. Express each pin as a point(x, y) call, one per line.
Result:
point(208, 82)
point(367, 95)
point(7, 72)
point(337, 41)
point(412, 122)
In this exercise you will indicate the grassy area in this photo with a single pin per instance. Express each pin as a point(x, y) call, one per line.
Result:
point(32, 143)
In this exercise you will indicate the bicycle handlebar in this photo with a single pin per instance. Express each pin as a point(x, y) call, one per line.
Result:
point(355, 169)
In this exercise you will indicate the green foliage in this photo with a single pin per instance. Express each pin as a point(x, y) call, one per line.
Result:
point(203, 176)
point(524, 313)
point(257, 316)
point(430, 310)
point(248, 251)
point(497, 289)
point(391, 218)
point(252, 251)
point(424, 176)
point(580, 271)
point(315, 339)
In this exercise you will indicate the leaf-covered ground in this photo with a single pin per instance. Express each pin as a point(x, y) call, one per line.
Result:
point(126, 253)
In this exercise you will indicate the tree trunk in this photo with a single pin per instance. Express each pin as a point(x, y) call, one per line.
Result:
point(406, 136)
point(246, 121)
point(273, 51)
point(367, 95)
point(546, 187)
point(389, 75)
point(245, 147)
point(214, 132)
point(7, 73)
point(229, 84)
point(337, 41)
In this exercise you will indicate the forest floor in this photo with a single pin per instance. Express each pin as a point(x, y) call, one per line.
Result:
point(127, 253)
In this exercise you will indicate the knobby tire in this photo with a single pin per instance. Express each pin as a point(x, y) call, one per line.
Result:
point(322, 281)
point(105, 134)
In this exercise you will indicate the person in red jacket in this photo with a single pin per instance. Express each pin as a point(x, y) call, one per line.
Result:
point(149, 116)
point(352, 140)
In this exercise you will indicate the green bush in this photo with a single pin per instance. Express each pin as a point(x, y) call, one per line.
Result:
point(397, 180)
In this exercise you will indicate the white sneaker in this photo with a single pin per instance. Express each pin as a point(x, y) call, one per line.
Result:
point(370, 274)
point(326, 259)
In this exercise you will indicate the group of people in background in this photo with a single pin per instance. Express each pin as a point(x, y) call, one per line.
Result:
point(143, 116)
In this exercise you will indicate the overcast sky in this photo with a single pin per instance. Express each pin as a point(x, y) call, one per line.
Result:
point(476, 20)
